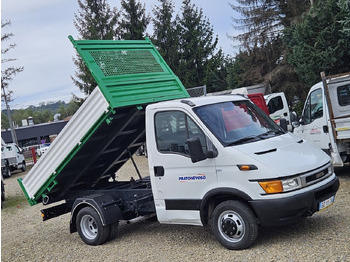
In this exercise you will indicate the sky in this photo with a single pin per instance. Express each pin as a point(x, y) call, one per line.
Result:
point(41, 29)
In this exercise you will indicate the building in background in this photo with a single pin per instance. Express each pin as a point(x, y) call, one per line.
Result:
point(34, 134)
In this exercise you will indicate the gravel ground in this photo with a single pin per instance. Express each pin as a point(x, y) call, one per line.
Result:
point(24, 237)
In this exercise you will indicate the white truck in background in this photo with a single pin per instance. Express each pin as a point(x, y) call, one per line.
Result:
point(325, 120)
point(277, 105)
point(279, 109)
point(12, 158)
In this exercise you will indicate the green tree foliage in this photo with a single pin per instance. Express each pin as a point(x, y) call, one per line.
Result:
point(197, 47)
point(320, 42)
point(42, 116)
point(165, 33)
point(188, 45)
point(4, 121)
point(134, 20)
point(68, 110)
point(94, 20)
point(43, 113)
point(263, 21)
point(344, 6)
point(235, 72)
point(263, 54)
point(216, 72)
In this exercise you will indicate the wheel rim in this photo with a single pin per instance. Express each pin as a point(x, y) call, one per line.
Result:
point(88, 227)
point(231, 226)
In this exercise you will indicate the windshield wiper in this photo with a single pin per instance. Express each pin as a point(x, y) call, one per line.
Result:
point(270, 133)
point(244, 140)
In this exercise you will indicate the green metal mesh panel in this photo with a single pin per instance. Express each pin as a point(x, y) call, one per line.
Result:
point(126, 62)
point(129, 72)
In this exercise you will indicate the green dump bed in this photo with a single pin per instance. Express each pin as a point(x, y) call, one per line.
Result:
point(110, 125)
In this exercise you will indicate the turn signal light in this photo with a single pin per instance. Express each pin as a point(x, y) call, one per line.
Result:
point(271, 187)
point(247, 167)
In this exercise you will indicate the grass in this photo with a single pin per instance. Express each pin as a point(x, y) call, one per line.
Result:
point(13, 202)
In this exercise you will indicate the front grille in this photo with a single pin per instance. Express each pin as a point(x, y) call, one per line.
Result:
point(316, 175)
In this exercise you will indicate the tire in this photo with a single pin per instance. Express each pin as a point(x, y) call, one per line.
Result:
point(7, 172)
point(2, 193)
point(90, 227)
point(24, 167)
point(113, 231)
point(234, 225)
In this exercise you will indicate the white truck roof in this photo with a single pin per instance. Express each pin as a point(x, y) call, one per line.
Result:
point(197, 101)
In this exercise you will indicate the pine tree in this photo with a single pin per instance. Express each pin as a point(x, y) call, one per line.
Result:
point(320, 42)
point(263, 54)
point(134, 20)
point(263, 21)
point(94, 20)
point(197, 45)
point(165, 34)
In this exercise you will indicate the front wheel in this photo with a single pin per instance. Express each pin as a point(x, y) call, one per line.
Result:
point(234, 225)
point(90, 227)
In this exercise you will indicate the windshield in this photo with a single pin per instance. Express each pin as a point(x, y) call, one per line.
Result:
point(237, 122)
point(45, 145)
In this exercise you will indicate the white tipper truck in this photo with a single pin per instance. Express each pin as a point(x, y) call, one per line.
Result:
point(325, 121)
point(214, 161)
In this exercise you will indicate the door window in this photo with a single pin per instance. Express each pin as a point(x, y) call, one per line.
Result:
point(173, 128)
point(344, 95)
point(314, 107)
point(275, 104)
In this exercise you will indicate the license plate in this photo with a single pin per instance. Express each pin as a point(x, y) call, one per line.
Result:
point(326, 203)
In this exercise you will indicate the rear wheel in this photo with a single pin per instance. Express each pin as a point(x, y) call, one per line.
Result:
point(23, 168)
point(113, 231)
point(234, 225)
point(2, 192)
point(7, 172)
point(90, 227)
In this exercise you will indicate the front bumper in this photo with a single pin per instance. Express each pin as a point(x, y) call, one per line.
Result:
point(288, 210)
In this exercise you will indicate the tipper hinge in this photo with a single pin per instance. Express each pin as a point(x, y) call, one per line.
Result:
point(109, 119)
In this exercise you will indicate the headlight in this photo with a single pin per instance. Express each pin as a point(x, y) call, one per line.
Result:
point(331, 169)
point(279, 186)
point(291, 184)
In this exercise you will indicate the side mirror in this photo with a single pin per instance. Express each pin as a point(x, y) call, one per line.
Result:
point(295, 124)
point(283, 124)
point(196, 150)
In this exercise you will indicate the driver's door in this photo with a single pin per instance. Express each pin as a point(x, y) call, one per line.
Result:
point(178, 185)
point(314, 126)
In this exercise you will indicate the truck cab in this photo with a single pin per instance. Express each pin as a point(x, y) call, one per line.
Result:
point(325, 120)
point(12, 159)
point(279, 109)
point(240, 155)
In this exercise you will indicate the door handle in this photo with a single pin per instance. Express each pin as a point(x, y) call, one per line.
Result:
point(159, 171)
